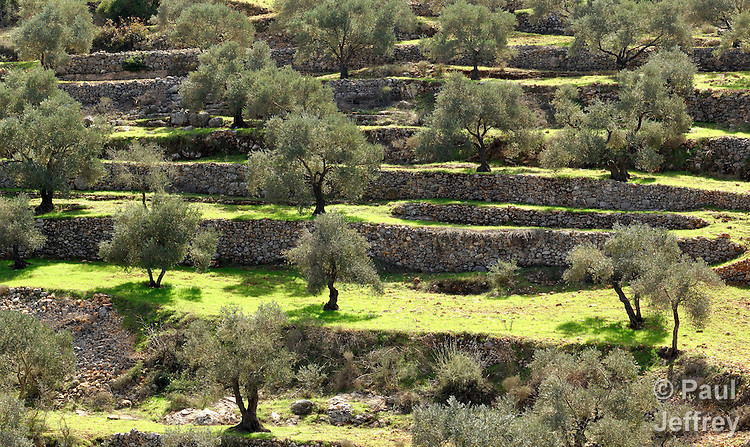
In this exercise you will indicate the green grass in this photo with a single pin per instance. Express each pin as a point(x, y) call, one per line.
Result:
point(559, 314)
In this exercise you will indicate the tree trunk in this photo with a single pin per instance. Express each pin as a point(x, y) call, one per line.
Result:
point(676, 330)
point(320, 201)
point(343, 70)
point(18, 262)
point(618, 172)
point(161, 276)
point(636, 322)
point(239, 120)
point(151, 282)
point(333, 297)
point(637, 303)
point(143, 199)
point(622, 63)
point(483, 165)
point(475, 72)
point(46, 206)
point(249, 422)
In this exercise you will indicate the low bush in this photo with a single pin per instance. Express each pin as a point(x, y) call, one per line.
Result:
point(460, 375)
point(120, 10)
point(134, 63)
point(126, 35)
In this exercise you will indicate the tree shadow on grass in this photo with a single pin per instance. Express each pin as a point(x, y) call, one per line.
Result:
point(7, 273)
point(653, 332)
point(141, 305)
point(266, 284)
point(315, 312)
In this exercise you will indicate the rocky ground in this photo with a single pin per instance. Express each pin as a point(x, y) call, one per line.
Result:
point(103, 348)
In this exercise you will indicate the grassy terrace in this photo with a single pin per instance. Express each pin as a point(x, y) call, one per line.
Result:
point(549, 314)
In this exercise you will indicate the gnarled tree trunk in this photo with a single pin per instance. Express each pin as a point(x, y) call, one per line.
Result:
point(249, 422)
point(46, 206)
point(636, 321)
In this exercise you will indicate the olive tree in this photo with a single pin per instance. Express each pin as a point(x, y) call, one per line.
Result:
point(18, 231)
point(242, 353)
point(333, 252)
point(59, 28)
point(625, 29)
point(278, 92)
point(738, 36)
point(313, 158)
point(206, 24)
point(169, 12)
point(343, 29)
point(623, 260)
point(221, 76)
point(581, 399)
point(472, 32)
point(649, 117)
point(684, 283)
point(153, 175)
point(469, 111)
point(34, 359)
point(719, 13)
point(22, 88)
point(545, 8)
point(49, 144)
point(158, 238)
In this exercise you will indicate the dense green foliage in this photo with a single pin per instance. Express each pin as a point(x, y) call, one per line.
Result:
point(160, 237)
point(13, 432)
point(313, 158)
point(471, 32)
point(626, 29)
point(49, 143)
point(223, 74)
point(59, 28)
point(204, 25)
point(344, 29)
point(333, 252)
point(580, 399)
point(18, 232)
point(243, 353)
point(465, 114)
point(649, 118)
point(121, 10)
point(34, 359)
point(156, 176)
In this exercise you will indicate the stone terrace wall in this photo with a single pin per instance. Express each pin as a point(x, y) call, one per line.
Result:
point(535, 190)
point(161, 96)
point(228, 179)
point(134, 438)
point(422, 249)
point(180, 62)
point(724, 156)
point(511, 215)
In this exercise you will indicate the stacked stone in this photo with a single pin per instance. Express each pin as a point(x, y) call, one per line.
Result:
point(510, 215)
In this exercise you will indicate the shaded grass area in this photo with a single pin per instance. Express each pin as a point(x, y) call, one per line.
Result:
point(551, 314)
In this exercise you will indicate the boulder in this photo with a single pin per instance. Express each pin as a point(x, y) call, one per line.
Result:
point(216, 122)
point(339, 411)
point(179, 119)
point(4, 290)
point(202, 119)
point(302, 407)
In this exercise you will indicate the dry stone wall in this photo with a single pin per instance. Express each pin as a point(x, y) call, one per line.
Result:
point(228, 179)
point(424, 249)
point(511, 215)
point(537, 190)
point(135, 438)
point(180, 62)
point(160, 96)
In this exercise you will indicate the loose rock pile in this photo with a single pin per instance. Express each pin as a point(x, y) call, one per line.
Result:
point(103, 348)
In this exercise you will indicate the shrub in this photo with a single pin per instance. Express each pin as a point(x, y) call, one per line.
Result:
point(126, 35)
point(134, 63)
point(460, 375)
point(118, 10)
point(310, 378)
point(101, 401)
point(502, 275)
